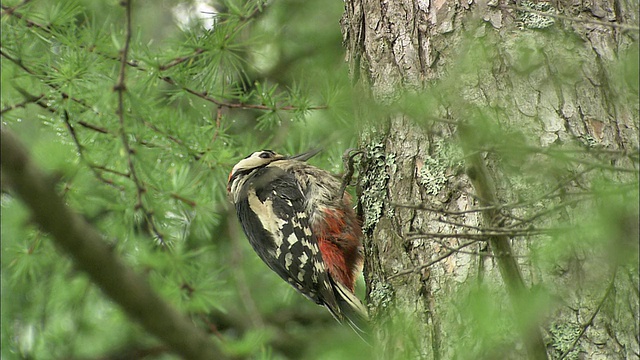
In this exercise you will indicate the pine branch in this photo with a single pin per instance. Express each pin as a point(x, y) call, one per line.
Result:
point(91, 254)
point(120, 88)
point(231, 105)
point(135, 64)
point(94, 168)
point(38, 100)
point(55, 87)
point(243, 21)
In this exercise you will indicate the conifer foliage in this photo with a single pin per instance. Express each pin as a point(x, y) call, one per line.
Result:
point(136, 112)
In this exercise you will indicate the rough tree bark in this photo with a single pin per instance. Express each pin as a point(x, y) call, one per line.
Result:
point(400, 47)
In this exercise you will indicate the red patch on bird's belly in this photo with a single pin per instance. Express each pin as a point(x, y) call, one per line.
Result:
point(338, 240)
point(335, 262)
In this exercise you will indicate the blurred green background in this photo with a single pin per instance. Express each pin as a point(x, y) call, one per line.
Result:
point(283, 62)
point(209, 84)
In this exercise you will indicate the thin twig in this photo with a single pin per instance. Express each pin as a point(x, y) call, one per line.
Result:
point(65, 115)
point(443, 211)
point(205, 96)
point(632, 186)
point(417, 269)
point(11, 11)
point(191, 203)
point(476, 253)
point(17, 62)
point(586, 325)
point(180, 60)
point(218, 122)
point(94, 127)
point(120, 88)
point(135, 64)
point(6, 10)
point(196, 155)
point(500, 245)
point(484, 235)
point(547, 211)
point(348, 159)
point(64, 95)
point(81, 154)
point(22, 104)
point(562, 152)
point(507, 230)
point(111, 171)
point(499, 207)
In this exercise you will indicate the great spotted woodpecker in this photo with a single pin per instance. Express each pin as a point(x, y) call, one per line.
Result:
point(302, 226)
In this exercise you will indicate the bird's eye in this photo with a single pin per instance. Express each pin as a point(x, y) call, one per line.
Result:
point(265, 155)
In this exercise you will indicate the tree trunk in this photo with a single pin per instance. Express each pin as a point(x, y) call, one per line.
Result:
point(475, 97)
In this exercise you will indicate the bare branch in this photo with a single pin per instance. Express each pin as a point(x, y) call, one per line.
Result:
point(483, 236)
point(586, 325)
point(443, 211)
point(348, 159)
point(417, 269)
point(22, 104)
point(477, 253)
point(180, 60)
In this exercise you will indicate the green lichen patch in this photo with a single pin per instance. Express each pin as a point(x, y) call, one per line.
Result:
point(530, 20)
point(433, 174)
point(374, 183)
point(562, 338)
point(381, 295)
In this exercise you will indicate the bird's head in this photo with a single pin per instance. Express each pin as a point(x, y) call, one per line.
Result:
point(260, 159)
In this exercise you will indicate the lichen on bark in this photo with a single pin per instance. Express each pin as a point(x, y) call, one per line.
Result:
point(548, 104)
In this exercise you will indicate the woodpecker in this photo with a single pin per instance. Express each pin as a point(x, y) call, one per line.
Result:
point(302, 226)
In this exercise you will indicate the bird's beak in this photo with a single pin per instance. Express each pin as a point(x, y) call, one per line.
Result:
point(305, 156)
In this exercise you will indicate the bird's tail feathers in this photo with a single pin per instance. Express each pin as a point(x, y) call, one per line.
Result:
point(352, 310)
